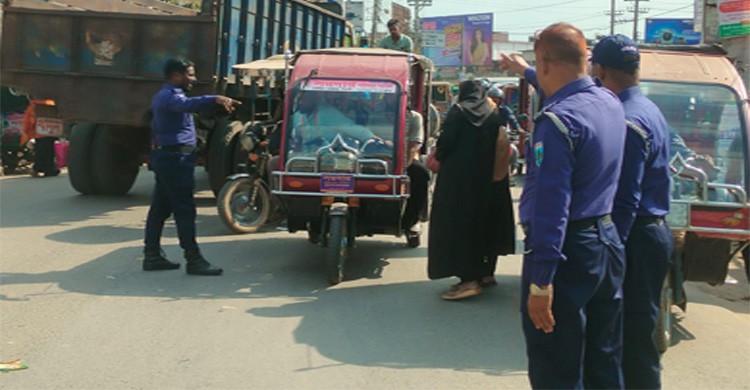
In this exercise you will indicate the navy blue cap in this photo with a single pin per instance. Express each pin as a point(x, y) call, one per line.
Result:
point(618, 52)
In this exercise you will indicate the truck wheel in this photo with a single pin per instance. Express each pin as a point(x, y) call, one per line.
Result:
point(337, 250)
point(221, 151)
point(663, 333)
point(79, 162)
point(114, 159)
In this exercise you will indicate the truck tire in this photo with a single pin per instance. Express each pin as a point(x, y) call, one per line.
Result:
point(115, 159)
point(79, 162)
point(221, 152)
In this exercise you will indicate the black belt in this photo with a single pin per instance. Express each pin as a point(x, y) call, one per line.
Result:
point(580, 224)
point(642, 221)
point(586, 223)
point(177, 148)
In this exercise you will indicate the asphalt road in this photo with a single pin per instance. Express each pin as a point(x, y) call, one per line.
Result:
point(76, 307)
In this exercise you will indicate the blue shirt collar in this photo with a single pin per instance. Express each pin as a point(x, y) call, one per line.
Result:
point(173, 87)
point(569, 89)
point(630, 93)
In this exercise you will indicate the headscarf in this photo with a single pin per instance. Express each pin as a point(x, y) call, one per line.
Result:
point(472, 97)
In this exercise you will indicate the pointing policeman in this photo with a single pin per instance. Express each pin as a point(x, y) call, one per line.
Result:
point(641, 203)
point(173, 162)
point(573, 260)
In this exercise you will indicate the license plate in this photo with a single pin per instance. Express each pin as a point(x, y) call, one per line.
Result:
point(337, 183)
point(49, 127)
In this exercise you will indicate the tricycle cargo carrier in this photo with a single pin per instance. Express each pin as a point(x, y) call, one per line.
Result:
point(101, 62)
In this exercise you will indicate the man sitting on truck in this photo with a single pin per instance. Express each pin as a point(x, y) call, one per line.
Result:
point(396, 40)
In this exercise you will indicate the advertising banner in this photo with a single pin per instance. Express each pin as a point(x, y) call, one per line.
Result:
point(443, 40)
point(477, 40)
point(734, 18)
point(672, 32)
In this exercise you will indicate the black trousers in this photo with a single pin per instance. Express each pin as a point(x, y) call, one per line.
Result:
point(647, 254)
point(420, 180)
point(173, 195)
point(44, 156)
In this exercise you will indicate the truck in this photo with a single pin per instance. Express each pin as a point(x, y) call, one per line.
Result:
point(101, 62)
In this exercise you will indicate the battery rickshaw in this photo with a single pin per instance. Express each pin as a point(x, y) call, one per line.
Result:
point(342, 171)
point(707, 109)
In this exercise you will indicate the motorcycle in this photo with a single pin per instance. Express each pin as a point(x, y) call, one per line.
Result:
point(245, 202)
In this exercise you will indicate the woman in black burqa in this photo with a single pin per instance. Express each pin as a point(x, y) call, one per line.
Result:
point(472, 216)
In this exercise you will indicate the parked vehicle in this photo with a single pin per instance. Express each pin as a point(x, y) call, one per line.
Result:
point(101, 62)
point(342, 171)
point(706, 106)
point(245, 202)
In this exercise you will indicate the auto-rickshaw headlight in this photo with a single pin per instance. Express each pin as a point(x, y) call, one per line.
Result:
point(248, 140)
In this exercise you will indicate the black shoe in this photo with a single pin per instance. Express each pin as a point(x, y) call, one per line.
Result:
point(198, 265)
point(155, 261)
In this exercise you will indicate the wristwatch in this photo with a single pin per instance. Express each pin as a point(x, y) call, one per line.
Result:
point(537, 291)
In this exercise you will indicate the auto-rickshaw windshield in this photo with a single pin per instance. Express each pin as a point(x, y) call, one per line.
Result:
point(705, 128)
point(363, 113)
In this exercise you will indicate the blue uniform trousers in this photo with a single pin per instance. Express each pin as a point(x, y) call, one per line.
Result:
point(648, 253)
point(585, 348)
point(173, 194)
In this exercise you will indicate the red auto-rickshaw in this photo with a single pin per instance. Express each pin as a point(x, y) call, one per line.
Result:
point(342, 171)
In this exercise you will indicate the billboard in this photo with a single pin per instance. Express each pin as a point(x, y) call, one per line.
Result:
point(672, 32)
point(458, 40)
point(734, 18)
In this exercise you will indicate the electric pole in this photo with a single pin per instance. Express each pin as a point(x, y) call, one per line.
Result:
point(375, 21)
point(636, 10)
point(418, 5)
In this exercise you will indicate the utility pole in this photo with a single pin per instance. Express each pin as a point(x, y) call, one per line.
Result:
point(613, 13)
point(636, 10)
point(418, 5)
point(375, 22)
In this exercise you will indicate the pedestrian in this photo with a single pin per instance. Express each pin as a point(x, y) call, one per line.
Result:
point(573, 266)
point(396, 40)
point(471, 221)
point(173, 162)
point(44, 144)
point(641, 203)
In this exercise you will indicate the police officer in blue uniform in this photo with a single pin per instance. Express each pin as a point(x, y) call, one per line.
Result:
point(573, 263)
point(173, 162)
point(641, 203)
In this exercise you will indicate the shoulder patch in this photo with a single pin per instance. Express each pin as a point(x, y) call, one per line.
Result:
point(538, 153)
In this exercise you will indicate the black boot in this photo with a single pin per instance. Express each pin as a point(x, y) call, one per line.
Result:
point(198, 265)
point(155, 261)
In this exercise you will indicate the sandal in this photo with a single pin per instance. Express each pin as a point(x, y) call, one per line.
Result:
point(463, 290)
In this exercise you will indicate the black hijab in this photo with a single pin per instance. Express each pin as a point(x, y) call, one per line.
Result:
point(472, 97)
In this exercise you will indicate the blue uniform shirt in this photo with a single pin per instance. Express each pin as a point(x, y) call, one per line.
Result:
point(570, 176)
point(644, 183)
point(172, 123)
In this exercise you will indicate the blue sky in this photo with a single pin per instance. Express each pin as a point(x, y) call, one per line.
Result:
point(523, 17)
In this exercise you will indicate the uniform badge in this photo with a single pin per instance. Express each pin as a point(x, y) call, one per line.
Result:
point(538, 153)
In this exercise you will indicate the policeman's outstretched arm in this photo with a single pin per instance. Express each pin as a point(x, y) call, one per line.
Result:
point(227, 102)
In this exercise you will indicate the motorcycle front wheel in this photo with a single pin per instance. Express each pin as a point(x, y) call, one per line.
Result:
point(244, 205)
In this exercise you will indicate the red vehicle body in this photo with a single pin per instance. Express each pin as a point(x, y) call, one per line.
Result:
point(342, 170)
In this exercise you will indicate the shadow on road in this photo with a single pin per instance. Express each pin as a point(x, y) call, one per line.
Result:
point(407, 325)
point(403, 325)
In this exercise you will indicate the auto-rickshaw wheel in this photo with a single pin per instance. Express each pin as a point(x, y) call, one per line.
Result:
point(337, 249)
point(663, 334)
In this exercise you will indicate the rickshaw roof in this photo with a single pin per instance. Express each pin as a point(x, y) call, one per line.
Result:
point(261, 67)
point(354, 62)
point(690, 67)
